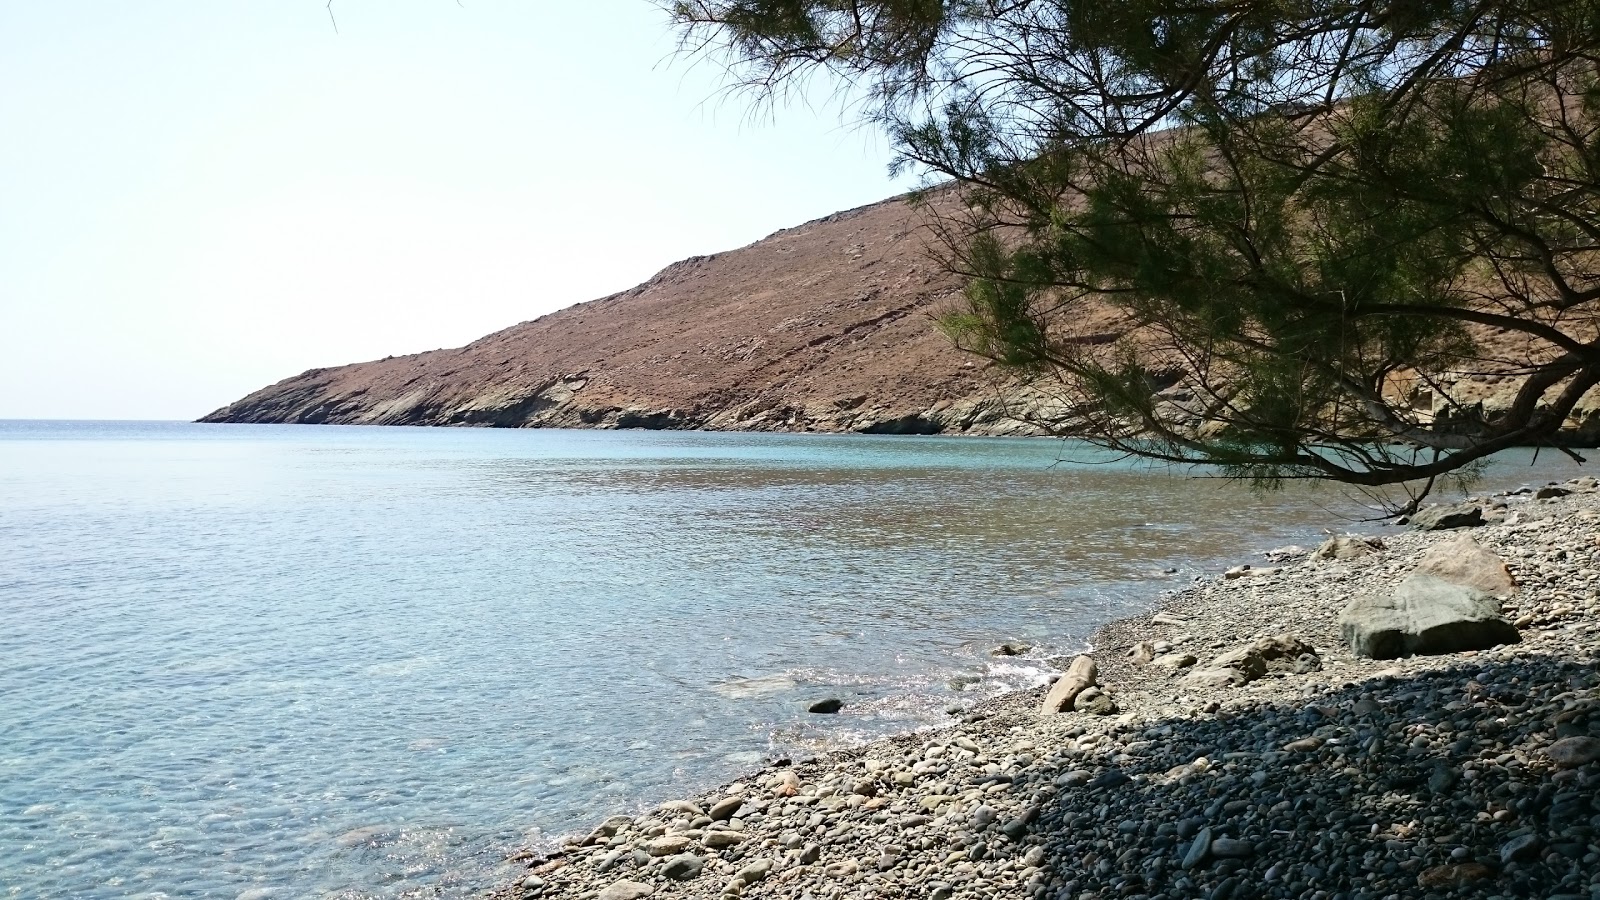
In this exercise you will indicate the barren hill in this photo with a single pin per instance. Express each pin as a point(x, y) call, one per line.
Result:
point(827, 327)
point(824, 327)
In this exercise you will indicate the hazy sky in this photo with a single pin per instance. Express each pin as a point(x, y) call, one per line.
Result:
point(198, 199)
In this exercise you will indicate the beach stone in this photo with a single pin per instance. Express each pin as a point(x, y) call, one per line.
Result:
point(682, 867)
point(626, 890)
point(826, 707)
point(754, 872)
point(1229, 848)
point(1347, 546)
point(1079, 677)
point(1462, 560)
point(667, 845)
point(1454, 875)
point(1424, 615)
point(1572, 752)
point(720, 839)
point(1199, 849)
point(1214, 678)
point(1455, 515)
point(1520, 849)
point(724, 809)
point(1279, 653)
point(788, 784)
point(1175, 660)
point(1094, 702)
point(1111, 778)
point(611, 860)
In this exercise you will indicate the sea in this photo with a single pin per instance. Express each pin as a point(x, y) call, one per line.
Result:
point(257, 661)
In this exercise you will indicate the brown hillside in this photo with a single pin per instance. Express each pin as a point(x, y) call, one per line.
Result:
point(826, 327)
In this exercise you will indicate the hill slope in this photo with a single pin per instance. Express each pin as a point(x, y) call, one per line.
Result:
point(825, 327)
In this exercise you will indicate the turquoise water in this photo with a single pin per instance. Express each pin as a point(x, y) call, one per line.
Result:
point(289, 661)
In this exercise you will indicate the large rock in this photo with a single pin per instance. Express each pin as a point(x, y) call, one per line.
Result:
point(1462, 560)
point(1424, 615)
point(1278, 653)
point(1079, 677)
point(1573, 752)
point(1347, 546)
point(1439, 518)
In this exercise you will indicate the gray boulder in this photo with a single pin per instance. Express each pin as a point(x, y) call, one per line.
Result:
point(1424, 615)
point(1440, 518)
point(683, 867)
point(1279, 653)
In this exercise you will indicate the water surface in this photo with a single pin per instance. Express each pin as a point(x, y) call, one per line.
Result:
point(290, 661)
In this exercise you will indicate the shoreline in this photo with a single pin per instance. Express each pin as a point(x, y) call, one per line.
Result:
point(1430, 770)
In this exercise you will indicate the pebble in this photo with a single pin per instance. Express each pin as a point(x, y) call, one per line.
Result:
point(724, 809)
point(627, 890)
point(682, 867)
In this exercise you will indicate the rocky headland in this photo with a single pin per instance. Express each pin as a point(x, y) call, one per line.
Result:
point(1229, 744)
point(828, 326)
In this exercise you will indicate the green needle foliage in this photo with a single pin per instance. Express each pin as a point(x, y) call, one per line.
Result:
point(1294, 214)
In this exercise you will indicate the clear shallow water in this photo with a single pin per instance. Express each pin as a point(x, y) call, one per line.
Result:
point(353, 662)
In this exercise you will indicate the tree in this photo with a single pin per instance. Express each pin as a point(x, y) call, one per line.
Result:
point(1301, 214)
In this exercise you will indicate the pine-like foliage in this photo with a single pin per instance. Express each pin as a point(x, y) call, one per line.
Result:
point(1296, 210)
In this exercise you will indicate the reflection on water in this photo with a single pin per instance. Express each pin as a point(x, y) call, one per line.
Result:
point(365, 662)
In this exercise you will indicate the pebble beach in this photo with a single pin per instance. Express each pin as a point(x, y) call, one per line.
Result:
point(1231, 746)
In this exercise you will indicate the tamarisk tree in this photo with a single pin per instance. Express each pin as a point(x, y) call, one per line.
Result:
point(1300, 215)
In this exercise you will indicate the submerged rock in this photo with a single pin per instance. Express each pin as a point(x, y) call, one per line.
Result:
point(1424, 615)
point(1011, 649)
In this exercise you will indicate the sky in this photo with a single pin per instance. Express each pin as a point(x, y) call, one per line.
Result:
point(200, 199)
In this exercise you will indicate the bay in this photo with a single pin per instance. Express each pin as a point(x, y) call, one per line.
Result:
point(369, 662)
